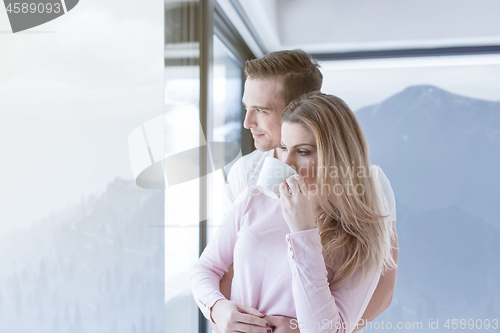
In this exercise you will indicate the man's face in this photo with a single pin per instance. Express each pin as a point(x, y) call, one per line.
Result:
point(264, 105)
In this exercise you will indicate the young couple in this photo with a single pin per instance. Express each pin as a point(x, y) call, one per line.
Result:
point(314, 259)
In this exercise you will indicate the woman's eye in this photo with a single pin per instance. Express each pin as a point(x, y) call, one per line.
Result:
point(283, 148)
point(303, 152)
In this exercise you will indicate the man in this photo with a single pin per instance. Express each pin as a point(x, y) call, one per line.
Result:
point(272, 82)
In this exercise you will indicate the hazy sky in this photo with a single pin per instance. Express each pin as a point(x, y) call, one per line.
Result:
point(361, 83)
point(71, 91)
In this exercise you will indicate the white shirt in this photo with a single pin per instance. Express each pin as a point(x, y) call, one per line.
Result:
point(244, 174)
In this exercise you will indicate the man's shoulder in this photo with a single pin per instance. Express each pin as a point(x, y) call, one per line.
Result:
point(386, 189)
point(251, 162)
point(243, 174)
point(378, 172)
point(375, 169)
point(257, 155)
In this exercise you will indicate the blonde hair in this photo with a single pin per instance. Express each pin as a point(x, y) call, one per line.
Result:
point(354, 233)
point(298, 72)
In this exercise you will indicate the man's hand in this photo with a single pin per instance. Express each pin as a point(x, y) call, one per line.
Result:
point(281, 324)
point(236, 317)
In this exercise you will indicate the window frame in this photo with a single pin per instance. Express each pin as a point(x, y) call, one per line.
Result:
point(214, 22)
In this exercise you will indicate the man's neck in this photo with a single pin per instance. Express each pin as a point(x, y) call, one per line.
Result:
point(277, 153)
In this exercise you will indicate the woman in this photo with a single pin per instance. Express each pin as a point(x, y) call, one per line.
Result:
point(317, 253)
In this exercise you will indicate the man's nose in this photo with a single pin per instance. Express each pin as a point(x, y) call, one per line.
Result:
point(249, 120)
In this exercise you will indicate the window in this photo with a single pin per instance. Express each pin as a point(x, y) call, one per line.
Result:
point(432, 124)
point(182, 127)
point(204, 60)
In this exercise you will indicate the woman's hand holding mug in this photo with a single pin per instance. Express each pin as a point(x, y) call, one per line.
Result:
point(296, 204)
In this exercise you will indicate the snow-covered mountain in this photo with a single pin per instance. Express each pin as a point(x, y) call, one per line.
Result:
point(441, 153)
point(95, 267)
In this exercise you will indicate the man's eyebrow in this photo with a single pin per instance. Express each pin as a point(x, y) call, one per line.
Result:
point(257, 107)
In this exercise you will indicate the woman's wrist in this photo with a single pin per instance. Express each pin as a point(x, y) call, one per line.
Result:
point(214, 309)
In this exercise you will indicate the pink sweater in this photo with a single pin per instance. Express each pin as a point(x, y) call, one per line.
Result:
point(276, 271)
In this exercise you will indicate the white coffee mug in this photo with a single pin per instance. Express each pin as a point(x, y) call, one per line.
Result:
point(273, 173)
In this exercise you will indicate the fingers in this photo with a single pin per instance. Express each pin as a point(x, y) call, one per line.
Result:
point(253, 320)
point(294, 186)
point(285, 195)
point(248, 309)
point(247, 328)
point(302, 184)
point(297, 185)
point(249, 320)
point(230, 316)
point(284, 192)
point(250, 329)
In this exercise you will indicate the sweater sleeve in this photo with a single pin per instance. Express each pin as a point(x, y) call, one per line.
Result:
point(216, 259)
point(318, 308)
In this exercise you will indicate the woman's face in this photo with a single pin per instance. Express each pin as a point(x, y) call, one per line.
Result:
point(300, 152)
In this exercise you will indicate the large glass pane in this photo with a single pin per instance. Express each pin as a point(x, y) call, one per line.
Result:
point(227, 125)
point(433, 125)
point(226, 120)
point(77, 250)
point(181, 201)
point(182, 133)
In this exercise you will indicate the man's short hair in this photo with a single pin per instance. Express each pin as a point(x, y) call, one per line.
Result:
point(299, 73)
